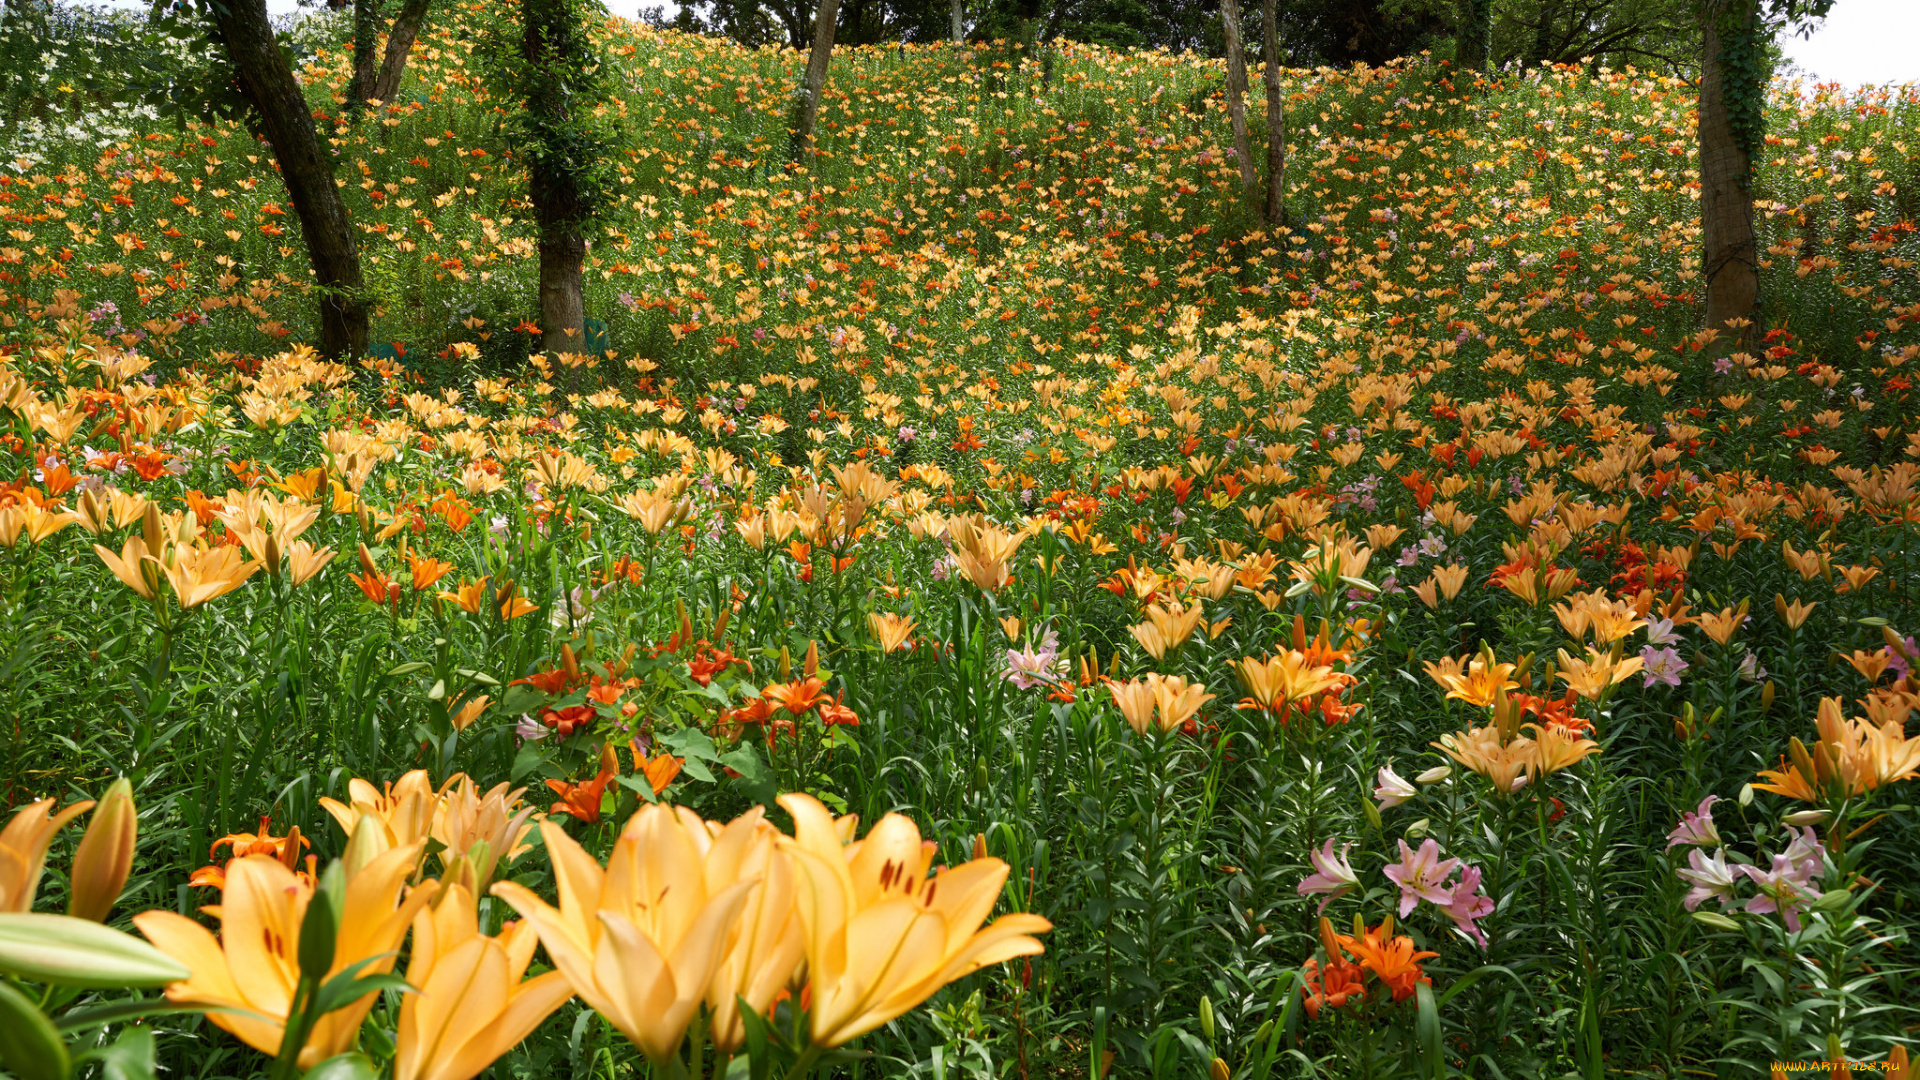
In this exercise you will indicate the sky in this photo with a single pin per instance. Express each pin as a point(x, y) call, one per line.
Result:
point(1863, 41)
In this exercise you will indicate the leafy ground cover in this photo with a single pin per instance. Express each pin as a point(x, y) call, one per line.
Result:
point(1417, 571)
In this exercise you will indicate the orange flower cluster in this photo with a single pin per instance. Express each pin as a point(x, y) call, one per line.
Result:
point(1393, 963)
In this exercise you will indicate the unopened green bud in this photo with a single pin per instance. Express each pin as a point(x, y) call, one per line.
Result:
point(320, 929)
point(66, 951)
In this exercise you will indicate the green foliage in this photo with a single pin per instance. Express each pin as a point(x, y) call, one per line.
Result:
point(546, 64)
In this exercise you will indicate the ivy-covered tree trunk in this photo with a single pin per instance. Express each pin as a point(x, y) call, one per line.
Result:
point(1276, 114)
point(1730, 96)
point(406, 27)
point(1474, 24)
point(959, 14)
point(552, 45)
point(1237, 98)
point(286, 121)
point(816, 80)
point(366, 26)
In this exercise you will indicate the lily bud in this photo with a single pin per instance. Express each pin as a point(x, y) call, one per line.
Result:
point(65, 951)
point(150, 528)
point(1434, 775)
point(320, 928)
point(105, 856)
point(1805, 817)
point(367, 843)
point(1206, 1017)
point(1218, 1070)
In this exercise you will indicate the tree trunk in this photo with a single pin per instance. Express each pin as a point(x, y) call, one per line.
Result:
point(1276, 115)
point(1731, 266)
point(563, 310)
point(1237, 97)
point(1475, 27)
point(959, 22)
point(1542, 48)
point(406, 27)
point(550, 36)
point(366, 25)
point(286, 120)
point(816, 83)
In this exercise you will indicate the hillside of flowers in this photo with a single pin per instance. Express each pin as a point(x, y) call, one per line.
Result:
point(983, 605)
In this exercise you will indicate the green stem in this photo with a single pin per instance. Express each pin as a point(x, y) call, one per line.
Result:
point(300, 1018)
point(804, 1066)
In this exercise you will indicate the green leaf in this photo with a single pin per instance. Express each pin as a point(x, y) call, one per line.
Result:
point(349, 986)
point(130, 1057)
point(528, 759)
point(88, 1019)
point(1427, 1032)
point(30, 1048)
point(756, 779)
point(521, 698)
point(692, 744)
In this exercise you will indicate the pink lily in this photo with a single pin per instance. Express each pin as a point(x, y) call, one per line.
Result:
point(1332, 875)
point(1467, 904)
point(1421, 876)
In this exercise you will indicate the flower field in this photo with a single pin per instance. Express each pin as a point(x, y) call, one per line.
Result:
point(983, 605)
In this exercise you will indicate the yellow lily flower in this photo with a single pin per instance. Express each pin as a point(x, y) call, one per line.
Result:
point(23, 850)
point(199, 574)
point(470, 598)
point(33, 521)
point(130, 566)
point(894, 631)
point(1481, 681)
point(304, 561)
point(253, 967)
point(466, 818)
point(1282, 679)
point(881, 935)
point(767, 952)
point(1135, 699)
point(471, 1006)
point(405, 810)
point(1592, 675)
point(641, 939)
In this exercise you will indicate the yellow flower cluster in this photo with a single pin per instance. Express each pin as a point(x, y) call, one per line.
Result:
point(686, 914)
